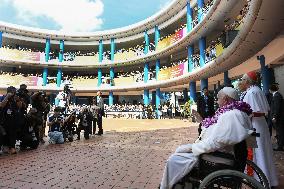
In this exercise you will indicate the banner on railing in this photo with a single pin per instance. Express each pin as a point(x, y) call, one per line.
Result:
point(17, 80)
point(14, 54)
point(172, 72)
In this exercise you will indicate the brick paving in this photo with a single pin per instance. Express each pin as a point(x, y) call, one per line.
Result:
point(131, 154)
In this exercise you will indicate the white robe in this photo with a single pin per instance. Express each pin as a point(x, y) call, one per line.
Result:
point(231, 128)
point(263, 154)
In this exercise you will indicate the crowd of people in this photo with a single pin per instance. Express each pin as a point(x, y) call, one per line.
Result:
point(25, 116)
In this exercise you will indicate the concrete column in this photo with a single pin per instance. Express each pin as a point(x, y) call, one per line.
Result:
point(192, 90)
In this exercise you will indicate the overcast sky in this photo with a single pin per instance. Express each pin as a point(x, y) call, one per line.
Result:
point(78, 15)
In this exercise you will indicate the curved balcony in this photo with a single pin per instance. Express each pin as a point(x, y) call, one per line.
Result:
point(217, 13)
point(233, 55)
point(164, 17)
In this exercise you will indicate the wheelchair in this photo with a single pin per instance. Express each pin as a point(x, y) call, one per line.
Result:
point(224, 171)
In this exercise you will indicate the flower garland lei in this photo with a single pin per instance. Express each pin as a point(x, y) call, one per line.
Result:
point(239, 105)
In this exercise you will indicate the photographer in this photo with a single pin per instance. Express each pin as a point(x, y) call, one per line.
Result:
point(38, 102)
point(23, 93)
point(27, 135)
point(69, 127)
point(55, 123)
point(9, 106)
point(86, 118)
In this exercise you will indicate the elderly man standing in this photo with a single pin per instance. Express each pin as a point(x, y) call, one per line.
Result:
point(255, 97)
point(230, 125)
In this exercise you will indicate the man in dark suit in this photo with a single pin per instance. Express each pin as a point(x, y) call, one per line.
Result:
point(101, 112)
point(277, 116)
point(205, 105)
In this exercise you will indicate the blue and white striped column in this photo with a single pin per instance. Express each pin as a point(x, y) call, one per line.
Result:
point(158, 90)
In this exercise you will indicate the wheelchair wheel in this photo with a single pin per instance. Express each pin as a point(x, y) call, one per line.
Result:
point(229, 179)
point(261, 176)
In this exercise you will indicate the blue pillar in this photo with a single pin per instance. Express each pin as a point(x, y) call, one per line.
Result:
point(44, 76)
point(189, 17)
point(112, 49)
point(111, 74)
point(59, 77)
point(146, 72)
point(200, 4)
point(266, 73)
point(185, 95)
point(158, 98)
point(60, 58)
point(146, 96)
point(157, 68)
point(101, 49)
point(203, 83)
point(146, 68)
point(192, 90)
point(110, 98)
point(45, 70)
point(227, 80)
point(219, 85)
point(100, 77)
point(202, 49)
point(190, 52)
point(1, 38)
point(147, 42)
point(157, 36)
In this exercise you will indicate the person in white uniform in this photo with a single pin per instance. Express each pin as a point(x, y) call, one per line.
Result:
point(230, 125)
point(255, 97)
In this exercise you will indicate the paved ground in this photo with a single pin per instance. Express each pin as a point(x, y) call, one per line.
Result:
point(131, 154)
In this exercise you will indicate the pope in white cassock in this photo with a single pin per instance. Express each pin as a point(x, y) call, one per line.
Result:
point(255, 97)
point(230, 125)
